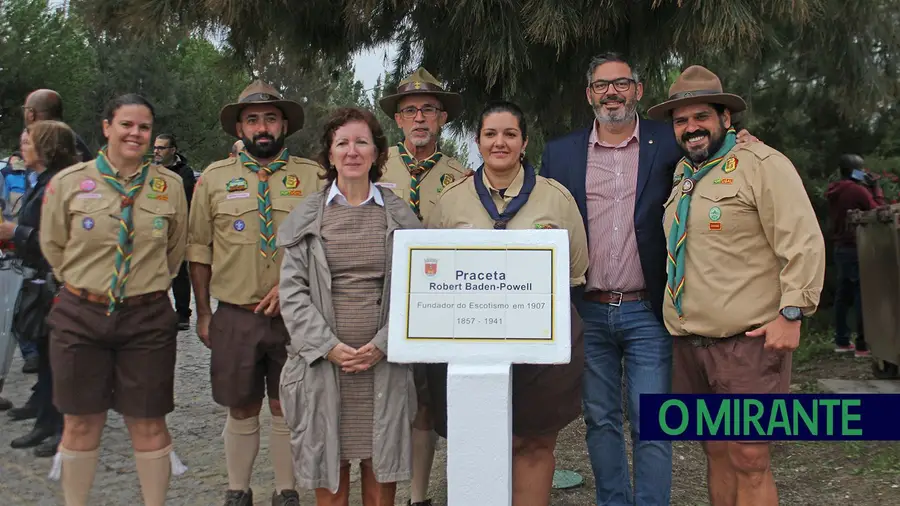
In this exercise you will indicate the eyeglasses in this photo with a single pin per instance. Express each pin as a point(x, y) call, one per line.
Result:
point(160, 148)
point(601, 86)
point(428, 111)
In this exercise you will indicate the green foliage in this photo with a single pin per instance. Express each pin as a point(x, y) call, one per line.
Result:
point(182, 73)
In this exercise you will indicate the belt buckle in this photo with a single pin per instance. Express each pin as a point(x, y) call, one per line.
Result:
point(619, 302)
point(702, 342)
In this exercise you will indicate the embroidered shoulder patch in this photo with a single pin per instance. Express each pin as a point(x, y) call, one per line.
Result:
point(236, 185)
point(158, 184)
point(730, 164)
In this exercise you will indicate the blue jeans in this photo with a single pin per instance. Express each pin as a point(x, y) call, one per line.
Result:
point(847, 297)
point(28, 348)
point(629, 331)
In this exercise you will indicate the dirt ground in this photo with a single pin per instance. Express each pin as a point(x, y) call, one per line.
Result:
point(814, 474)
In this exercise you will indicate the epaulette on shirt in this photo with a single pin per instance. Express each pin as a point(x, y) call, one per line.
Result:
point(760, 150)
point(225, 162)
point(299, 160)
point(562, 189)
point(74, 169)
point(456, 165)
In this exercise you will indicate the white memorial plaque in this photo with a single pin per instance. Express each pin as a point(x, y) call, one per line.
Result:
point(480, 300)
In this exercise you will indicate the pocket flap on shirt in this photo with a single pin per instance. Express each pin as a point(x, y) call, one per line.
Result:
point(160, 207)
point(236, 207)
point(719, 192)
point(88, 206)
point(285, 204)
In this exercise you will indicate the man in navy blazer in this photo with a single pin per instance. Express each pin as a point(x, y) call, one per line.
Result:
point(620, 171)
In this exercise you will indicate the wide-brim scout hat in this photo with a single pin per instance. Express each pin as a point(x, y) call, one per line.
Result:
point(696, 85)
point(259, 92)
point(421, 82)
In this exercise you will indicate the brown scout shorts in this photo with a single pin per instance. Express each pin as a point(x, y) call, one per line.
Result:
point(732, 365)
point(124, 361)
point(248, 352)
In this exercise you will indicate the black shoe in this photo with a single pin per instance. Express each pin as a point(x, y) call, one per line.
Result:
point(47, 448)
point(33, 438)
point(26, 412)
point(31, 365)
point(5, 404)
point(239, 498)
point(426, 502)
point(286, 498)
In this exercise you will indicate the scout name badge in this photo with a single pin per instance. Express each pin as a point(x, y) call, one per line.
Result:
point(237, 184)
point(158, 186)
point(292, 186)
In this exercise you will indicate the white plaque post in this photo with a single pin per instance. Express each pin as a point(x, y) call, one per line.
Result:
point(480, 300)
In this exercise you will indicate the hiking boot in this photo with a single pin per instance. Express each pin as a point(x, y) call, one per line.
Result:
point(184, 323)
point(426, 502)
point(286, 498)
point(239, 498)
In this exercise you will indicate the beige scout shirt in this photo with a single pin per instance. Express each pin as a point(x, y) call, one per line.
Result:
point(80, 229)
point(396, 178)
point(549, 206)
point(754, 246)
point(224, 224)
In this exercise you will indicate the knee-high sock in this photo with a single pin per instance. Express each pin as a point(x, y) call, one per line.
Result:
point(78, 470)
point(423, 457)
point(280, 453)
point(154, 470)
point(241, 447)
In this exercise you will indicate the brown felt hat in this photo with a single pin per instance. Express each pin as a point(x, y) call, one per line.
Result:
point(696, 85)
point(421, 82)
point(259, 92)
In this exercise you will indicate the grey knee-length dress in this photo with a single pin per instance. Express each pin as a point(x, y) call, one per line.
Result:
point(354, 240)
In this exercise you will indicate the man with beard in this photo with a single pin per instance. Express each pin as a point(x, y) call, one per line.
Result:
point(238, 205)
point(165, 153)
point(620, 173)
point(417, 172)
point(746, 263)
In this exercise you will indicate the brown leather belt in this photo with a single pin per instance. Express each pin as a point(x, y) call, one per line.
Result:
point(615, 298)
point(103, 299)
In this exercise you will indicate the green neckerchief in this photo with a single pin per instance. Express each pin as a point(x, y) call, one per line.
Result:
point(678, 234)
point(417, 172)
point(264, 202)
point(125, 246)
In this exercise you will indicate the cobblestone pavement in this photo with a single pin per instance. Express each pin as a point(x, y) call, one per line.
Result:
point(196, 426)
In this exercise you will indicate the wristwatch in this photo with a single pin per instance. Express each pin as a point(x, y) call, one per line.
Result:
point(792, 313)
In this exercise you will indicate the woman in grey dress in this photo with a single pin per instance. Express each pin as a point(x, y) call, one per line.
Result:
point(342, 399)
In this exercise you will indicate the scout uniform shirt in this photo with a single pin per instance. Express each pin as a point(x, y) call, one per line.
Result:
point(396, 178)
point(549, 206)
point(753, 246)
point(224, 229)
point(80, 229)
